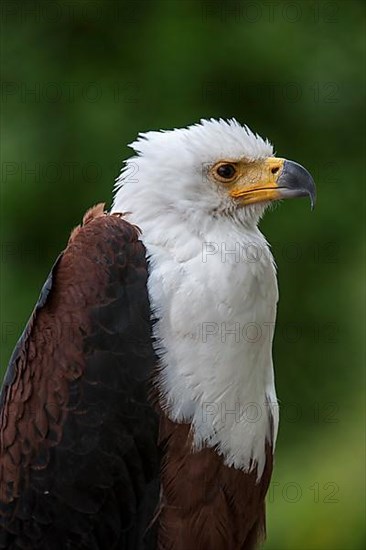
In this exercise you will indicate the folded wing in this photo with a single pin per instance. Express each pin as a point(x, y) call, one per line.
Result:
point(78, 437)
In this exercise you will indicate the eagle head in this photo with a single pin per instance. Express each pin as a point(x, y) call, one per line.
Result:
point(211, 169)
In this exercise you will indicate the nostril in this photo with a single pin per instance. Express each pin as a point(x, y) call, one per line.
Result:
point(275, 169)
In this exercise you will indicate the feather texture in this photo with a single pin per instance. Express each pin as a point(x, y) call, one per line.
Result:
point(79, 461)
point(205, 504)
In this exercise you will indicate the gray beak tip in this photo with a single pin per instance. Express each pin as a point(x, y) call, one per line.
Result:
point(296, 181)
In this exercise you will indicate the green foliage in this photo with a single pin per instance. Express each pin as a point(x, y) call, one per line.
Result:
point(80, 79)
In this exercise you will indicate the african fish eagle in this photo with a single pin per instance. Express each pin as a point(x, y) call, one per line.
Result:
point(138, 410)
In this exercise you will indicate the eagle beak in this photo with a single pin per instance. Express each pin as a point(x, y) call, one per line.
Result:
point(275, 179)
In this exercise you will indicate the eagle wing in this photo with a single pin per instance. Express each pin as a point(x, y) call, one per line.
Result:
point(78, 436)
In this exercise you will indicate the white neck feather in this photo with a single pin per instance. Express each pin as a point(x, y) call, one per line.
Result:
point(215, 300)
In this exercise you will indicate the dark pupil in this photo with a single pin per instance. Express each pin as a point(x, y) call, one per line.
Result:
point(226, 171)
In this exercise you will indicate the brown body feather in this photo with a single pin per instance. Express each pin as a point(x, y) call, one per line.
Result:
point(36, 402)
point(206, 505)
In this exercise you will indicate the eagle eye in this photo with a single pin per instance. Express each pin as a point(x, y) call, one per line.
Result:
point(226, 171)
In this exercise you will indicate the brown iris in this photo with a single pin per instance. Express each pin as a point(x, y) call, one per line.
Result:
point(226, 171)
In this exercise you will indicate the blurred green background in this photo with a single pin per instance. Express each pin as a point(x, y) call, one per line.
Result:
point(81, 79)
